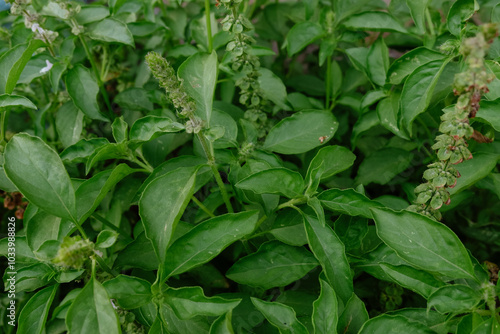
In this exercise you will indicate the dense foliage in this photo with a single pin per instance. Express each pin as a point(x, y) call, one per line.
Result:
point(250, 167)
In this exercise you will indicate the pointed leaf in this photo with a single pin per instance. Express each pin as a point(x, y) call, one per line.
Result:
point(112, 30)
point(34, 314)
point(330, 252)
point(301, 132)
point(274, 181)
point(454, 299)
point(418, 89)
point(301, 35)
point(423, 242)
point(413, 279)
point(189, 302)
point(39, 174)
point(410, 61)
point(92, 312)
point(199, 75)
point(281, 316)
point(325, 310)
point(162, 204)
point(7, 100)
point(417, 11)
point(273, 265)
point(130, 292)
point(374, 21)
point(348, 201)
point(82, 88)
point(207, 240)
point(393, 324)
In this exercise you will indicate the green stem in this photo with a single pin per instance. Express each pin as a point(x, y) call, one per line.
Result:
point(163, 8)
point(429, 22)
point(292, 203)
point(3, 124)
point(328, 81)
point(111, 225)
point(93, 267)
point(104, 266)
point(80, 229)
point(144, 163)
point(98, 77)
point(209, 26)
point(203, 207)
point(147, 167)
point(211, 162)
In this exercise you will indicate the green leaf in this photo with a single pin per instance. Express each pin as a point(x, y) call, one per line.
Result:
point(222, 325)
point(423, 242)
point(474, 170)
point(7, 100)
point(353, 316)
point(91, 192)
point(273, 88)
point(393, 324)
point(106, 152)
point(44, 227)
point(301, 132)
point(461, 11)
point(325, 310)
point(138, 254)
point(12, 64)
point(387, 112)
point(207, 240)
point(383, 165)
point(274, 181)
point(377, 62)
point(128, 291)
point(83, 89)
point(418, 89)
point(89, 14)
point(288, 227)
point(84, 148)
point(374, 21)
point(119, 128)
point(490, 326)
point(335, 159)
point(417, 11)
point(488, 112)
point(273, 265)
point(348, 201)
point(150, 127)
point(92, 312)
point(161, 217)
point(172, 323)
point(454, 299)
point(301, 35)
point(199, 75)
point(134, 99)
point(281, 316)
point(188, 302)
point(69, 124)
point(413, 279)
point(106, 239)
point(34, 314)
point(39, 174)
point(330, 252)
point(410, 61)
point(112, 31)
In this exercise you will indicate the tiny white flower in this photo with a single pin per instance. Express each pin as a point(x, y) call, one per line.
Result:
point(36, 27)
point(46, 68)
point(113, 304)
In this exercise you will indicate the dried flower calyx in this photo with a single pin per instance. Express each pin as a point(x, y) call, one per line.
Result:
point(451, 146)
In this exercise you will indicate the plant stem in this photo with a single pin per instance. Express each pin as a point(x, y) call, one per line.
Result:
point(203, 207)
point(104, 266)
point(111, 225)
point(98, 76)
point(163, 8)
point(147, 167)
point(211, 162)
point(209, 26)
point(328, 81)
point(429, 22)
point(292, 203)
point(3, 124)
